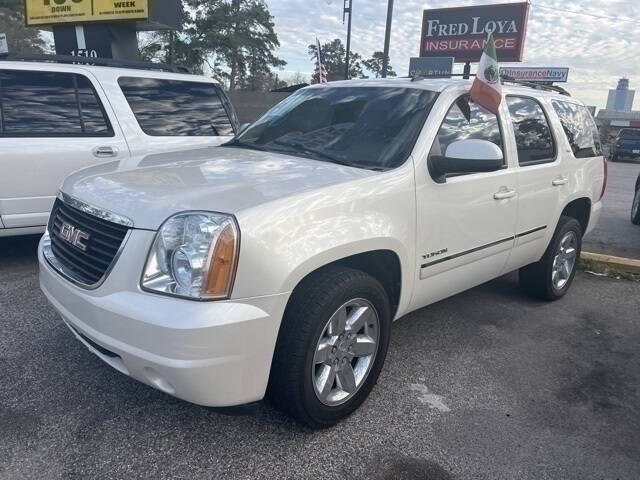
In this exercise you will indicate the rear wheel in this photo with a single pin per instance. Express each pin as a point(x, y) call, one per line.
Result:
point(332, 345)
point(552, 276)
point(635, 208)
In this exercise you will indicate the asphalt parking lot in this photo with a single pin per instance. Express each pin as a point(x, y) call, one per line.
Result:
point(485, 385)
point(615, 234)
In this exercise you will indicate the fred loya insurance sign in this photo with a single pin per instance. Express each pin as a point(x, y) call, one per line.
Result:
point(462, 32)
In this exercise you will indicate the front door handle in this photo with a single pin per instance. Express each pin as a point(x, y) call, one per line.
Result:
point(559, 181)
point(105, 152)
point(504, 193)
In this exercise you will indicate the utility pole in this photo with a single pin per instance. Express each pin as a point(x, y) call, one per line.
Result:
point(387, 39)
point(348, 9)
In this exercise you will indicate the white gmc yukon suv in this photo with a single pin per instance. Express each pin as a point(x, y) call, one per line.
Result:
point(275, 265)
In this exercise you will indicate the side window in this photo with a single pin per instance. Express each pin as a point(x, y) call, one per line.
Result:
point(580, 129)
point(466, 120)
point(49, 104)
point(174, 108)
point(533, 135)
point(94, 118)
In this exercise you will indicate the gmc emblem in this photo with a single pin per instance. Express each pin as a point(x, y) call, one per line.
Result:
point(74, 236)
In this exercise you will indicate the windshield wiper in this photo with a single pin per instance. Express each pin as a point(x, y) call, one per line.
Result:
point(298, 147)
point(241, 144)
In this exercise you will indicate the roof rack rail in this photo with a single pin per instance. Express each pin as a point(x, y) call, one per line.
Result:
point(417, 78)
point(505, 79)
point(102, 62)
point(535, 85)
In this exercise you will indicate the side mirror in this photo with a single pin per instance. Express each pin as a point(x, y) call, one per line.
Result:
point(466, 156)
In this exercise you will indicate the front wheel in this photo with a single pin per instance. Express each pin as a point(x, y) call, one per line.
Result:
point(635, 208)
point(332, 345)
point(552, 276)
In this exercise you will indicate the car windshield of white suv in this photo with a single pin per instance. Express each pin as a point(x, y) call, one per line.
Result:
point(365, 127)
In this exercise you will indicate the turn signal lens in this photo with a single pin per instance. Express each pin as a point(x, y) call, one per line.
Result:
point(222, 265)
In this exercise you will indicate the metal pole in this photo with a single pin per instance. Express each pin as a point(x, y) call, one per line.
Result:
point(387, 39)
point(350, 10)
point(467, 71)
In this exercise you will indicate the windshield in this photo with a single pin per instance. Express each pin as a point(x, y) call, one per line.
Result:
point(365, 127)
point(629, 134)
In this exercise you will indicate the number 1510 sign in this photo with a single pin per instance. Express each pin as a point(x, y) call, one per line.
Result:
point(53, 12)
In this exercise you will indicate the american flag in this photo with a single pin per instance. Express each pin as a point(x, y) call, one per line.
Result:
point(321, 70)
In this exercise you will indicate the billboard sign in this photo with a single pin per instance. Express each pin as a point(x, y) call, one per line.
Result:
point(438, 67)
point(535, 74)
point(55, 12)
point(462, 32)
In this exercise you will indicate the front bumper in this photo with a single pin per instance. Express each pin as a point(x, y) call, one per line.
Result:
point(209, 353)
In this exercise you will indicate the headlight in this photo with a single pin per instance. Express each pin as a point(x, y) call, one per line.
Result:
point(194, 255)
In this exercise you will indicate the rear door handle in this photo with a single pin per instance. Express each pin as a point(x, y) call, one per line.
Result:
point(504, 193)
point(558, 182)
point(105, 152)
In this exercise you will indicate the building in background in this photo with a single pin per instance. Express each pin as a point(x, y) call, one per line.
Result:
point(618, 114)
point(621, 99)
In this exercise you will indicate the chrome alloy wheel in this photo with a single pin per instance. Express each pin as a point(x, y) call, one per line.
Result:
point(345, 352)
point(564, 261)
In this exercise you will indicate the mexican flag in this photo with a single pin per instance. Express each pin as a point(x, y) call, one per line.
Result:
point(486, 89)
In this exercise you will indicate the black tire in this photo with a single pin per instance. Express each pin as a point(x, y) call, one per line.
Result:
point(536, 279)
point(312, 304)
point(635, 208)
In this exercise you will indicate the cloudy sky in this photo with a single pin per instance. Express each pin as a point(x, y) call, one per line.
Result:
point(597, 50)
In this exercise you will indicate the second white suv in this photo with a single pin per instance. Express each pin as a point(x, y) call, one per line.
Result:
point(56, 118)
point(276, 264)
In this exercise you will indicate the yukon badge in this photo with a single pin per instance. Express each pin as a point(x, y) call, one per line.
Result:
point(74, 236)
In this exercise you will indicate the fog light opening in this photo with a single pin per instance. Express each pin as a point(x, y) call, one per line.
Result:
point(159, 381)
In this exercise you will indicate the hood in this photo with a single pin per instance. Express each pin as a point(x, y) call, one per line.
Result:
point(150, 189)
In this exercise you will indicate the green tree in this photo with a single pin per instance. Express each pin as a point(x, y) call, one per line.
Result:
point(173, 47)
point(334, 61)
point(375, 65)
point(241, 33)
point(19, 37)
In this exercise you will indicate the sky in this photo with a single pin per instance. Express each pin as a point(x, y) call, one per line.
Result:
point(598, 51)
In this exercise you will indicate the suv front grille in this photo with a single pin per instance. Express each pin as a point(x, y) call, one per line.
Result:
point(84, 246)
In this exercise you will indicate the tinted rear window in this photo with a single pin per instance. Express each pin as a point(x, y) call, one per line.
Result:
point(580, 128)
point(174, 108)
point(50, 104)
point(533, 135)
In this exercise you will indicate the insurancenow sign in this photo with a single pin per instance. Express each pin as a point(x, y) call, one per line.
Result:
point(535, 74)
point(53, 12)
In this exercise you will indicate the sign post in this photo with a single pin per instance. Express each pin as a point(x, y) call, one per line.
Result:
point(101, 28)
point(462, 32)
